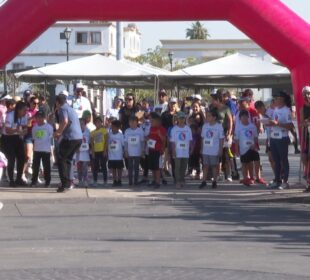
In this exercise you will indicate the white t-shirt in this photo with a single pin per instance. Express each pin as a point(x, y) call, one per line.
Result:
point(9, 122)
point(211, 137)
point(181, 137)
point(134, 140)
point(80, 105)
point(90, 126)
point(115, 146)
point(283, 116)
point(112, 113)
point(246, 135)
point(42, 136)
point(269, 115)
point(160, 108)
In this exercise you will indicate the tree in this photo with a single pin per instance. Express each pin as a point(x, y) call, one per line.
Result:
point(157, 57)
point(197, 32)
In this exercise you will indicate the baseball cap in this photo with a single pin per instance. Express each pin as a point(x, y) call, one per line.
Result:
point(197, 96)
point(173, 100)
point(6, 97)
point(79, 85)
point(64, 92)
point(181, 115)
point(86, 113)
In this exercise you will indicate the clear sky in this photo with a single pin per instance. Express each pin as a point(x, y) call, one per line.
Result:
point(152, 32)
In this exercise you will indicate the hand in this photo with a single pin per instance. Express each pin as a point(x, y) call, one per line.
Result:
point(273, 123)
point(57, 134)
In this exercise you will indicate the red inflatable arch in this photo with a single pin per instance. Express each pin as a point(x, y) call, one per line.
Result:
point(268, 22)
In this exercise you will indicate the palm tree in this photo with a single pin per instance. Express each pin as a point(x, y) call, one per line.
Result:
point(197, 32)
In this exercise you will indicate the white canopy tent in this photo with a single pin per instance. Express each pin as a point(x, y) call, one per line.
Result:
point(233, 71)
point(104, 70)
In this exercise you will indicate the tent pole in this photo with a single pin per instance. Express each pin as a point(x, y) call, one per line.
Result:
point(45, 87)
point(155, 89)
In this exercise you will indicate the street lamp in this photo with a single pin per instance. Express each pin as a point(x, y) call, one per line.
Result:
point(170, 55)
point(67, 33)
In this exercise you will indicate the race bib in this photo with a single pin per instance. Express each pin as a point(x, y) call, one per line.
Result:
point(151, 143)
point(133, 140)
point(114, 146)
point(182, 145)
point(40, 134)
point(276, 134)
point(248, 143)
point(84, 147)
point(98, 138)
point(208, 142)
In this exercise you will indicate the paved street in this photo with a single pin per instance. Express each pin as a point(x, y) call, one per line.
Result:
point(230, 233)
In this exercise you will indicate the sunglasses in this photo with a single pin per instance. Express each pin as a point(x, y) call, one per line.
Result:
point(35, 103)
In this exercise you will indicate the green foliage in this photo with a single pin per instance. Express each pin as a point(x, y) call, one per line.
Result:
point(229, 52)
point(197, 32)
point(156, 57)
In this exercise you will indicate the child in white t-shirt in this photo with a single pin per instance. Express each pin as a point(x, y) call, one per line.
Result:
point(181, 139)
point(116, 152)
point(134, 149)
point(246, 137)
point(42, 134)
point(212, 135)
point(82, 156)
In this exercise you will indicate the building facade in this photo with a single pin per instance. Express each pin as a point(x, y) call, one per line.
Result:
point(213, 49)
point(87, 38)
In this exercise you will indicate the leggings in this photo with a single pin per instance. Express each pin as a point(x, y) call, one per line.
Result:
point(13, 148)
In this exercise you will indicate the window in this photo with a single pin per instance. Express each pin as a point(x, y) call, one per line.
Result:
point(18, 65)
point(81, 37)
point(88, 38)
point(95, 38)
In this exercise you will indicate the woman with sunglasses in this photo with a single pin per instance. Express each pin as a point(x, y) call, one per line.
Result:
point(130, 109)
point(31, 112)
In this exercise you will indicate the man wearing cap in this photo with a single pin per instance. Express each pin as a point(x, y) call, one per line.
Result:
point(80, 103)
point(162, 106)
point(71, 133)
point(226, 99)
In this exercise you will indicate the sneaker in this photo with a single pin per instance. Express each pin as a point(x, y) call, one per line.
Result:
point(203, 185)
point(273, 185)
point(114, 183)
point(61, 189)
point(297, 152)
point(284, 186)
point(71, 186)
point(164, 182)
point(156, 186)
point(24, 178)
point(40, 181)
point(252, 181)
point(261, 181)
point(214, 185)
point(247, 182)
point(167, 173)
point(119, 183)
point(33, 185)
point(229, 179)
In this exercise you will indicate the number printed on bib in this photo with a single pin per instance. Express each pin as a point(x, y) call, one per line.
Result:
point(151, 143)
point(133, 140)
point(182, 145)
point(208, 142)
point(84, 147)
point(276, 134)
point(114, 146)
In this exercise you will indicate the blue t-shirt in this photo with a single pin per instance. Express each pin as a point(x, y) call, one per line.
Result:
point(73, 130)
point(232, 106)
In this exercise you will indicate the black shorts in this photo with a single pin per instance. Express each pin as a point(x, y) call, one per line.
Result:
point(153, 160)
point(115, 164)
point(249, 156)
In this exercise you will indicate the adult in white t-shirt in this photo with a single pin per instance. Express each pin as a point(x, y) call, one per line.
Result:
point(162, 106)
point(114, 112)
point(80, 103)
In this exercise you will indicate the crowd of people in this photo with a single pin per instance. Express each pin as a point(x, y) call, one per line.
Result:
point(178, 138)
